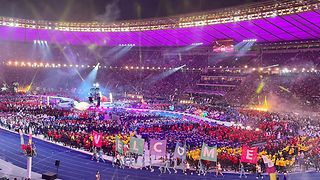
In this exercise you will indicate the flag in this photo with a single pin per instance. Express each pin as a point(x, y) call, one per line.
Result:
point(269, 165)
point(21, 137)
point(208, 153)
point(158, 147)
point(97, 139)
point(249, 155)
point(136, 145)
point(180, 152)
point(119, 145)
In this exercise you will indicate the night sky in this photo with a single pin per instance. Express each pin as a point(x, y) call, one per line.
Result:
point(107, 10)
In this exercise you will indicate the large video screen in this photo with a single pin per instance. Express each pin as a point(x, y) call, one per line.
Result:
point(224, 45)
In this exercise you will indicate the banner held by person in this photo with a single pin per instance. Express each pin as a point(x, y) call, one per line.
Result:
point(208, 153)
point(119, 145)
point(249, 155)
point(158, 147)
point(180, 152)
point(136, 145)
point(97, 139)
point(269, 165)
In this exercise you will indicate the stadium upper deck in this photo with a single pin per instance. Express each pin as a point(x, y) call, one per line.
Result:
point(267, 22)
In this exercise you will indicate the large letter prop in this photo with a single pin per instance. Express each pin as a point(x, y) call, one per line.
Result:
point(249, 155)
point(136, 145)
point(208, 153)
point(180, 152)
point(97, 139)
point(119, 145)
point(269, 165)
point(158, 147)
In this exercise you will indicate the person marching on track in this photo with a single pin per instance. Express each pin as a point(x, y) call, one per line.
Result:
point(150, 164)
point(184, 167)
point(101, 156)
point(259, 172)
point(201, 168)
point(175, 164)
point(242, 171)
point(117, 160)
point(130, 159)
point(187, 169)
point(167, 166)
point(219, 169)
point(98, 175)
point(142, 162)
point(122, 161)
point(126, 154)
point(95, 154)
point(34, 149)
point(162, 168)
point(114, 159)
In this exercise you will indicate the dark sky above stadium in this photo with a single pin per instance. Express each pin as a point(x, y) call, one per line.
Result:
point(107, 10)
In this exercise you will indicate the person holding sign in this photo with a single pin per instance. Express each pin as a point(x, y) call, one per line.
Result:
point(101, 155)
point(98, 175)
point(167, 166)
point(219, 170)
point(259, 172)
point(242, 171)
point(201, 168)
point(150, 164)
point(175, 164)
point(187, 169)
point(95, 154)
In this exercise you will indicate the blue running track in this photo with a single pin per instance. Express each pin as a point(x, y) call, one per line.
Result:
point(77, 166)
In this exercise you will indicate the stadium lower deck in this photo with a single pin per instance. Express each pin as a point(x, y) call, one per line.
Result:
point(76, 165)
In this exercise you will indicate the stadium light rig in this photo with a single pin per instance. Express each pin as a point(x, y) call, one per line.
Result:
point(250, 40)
point(197, 44)
point(96, 85)
point(130, 45)
point(40, 42)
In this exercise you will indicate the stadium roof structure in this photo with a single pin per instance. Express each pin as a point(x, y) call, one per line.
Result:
point(266, 22)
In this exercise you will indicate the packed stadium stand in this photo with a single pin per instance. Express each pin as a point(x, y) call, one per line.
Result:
point(213, 83)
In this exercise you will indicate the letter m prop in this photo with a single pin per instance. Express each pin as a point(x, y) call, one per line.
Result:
point(208, 153)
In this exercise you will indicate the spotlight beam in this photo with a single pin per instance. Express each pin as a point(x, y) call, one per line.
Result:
point(87, 83)
point(164, 74)
point(68, 59)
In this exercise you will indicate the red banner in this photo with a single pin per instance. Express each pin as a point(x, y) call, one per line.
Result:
point(97, 139)
point(249, 155)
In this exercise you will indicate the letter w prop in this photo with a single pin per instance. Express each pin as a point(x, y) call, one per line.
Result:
point(97, 139)
point(249, 155)
point(208, 153)
point(136, 145)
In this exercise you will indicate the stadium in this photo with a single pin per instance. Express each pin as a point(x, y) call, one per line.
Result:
point(226, 92)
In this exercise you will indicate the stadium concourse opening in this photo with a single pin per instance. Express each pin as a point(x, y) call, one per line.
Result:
point(207, 91)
